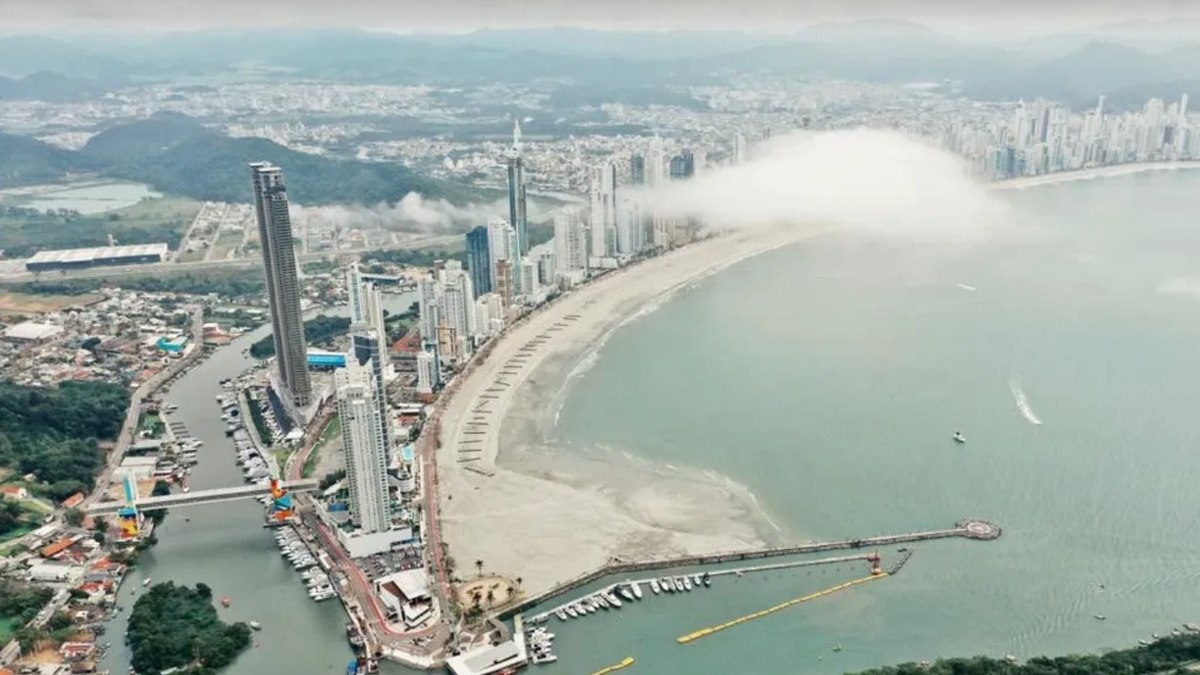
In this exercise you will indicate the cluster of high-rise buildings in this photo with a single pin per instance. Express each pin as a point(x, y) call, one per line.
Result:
point(1044, 137)
point(460, 308)
point(360, 388)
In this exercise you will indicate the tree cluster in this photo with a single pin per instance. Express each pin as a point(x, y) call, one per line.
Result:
point(52, 433)
point(1167, 655)
point(317, 330)
point(176, 627)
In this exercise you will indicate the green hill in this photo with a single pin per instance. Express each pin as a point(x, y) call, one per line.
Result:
point(177, 155)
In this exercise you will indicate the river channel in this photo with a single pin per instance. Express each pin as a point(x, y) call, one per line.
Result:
point(225, 546)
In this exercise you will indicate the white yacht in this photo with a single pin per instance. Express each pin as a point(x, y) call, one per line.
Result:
point(687, 583)
point(601, 600)
point(668, 585)
point(637, 589)
point(655, 587)
point(625, 593)
point(562, 616)
point(696, 580)
point(612, 600)
point(570, 611)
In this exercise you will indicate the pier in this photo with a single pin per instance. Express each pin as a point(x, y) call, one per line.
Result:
point(972, 528)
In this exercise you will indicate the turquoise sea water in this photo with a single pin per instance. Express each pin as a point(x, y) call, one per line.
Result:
point(828, 377)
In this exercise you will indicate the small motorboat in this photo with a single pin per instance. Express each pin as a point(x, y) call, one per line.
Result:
point(255, 625)
point(146, 581)
point(1100, 617)
point(959, 438)
point(225, 601)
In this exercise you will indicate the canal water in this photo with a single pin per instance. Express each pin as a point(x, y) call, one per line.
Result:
point(828, 378)
point(225, 546)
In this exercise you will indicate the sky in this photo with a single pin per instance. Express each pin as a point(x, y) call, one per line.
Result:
point(961, 16)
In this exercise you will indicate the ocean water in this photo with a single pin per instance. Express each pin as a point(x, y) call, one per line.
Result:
point(829, 376)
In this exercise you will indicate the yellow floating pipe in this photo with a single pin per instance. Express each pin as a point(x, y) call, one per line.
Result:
point(705, 632)
point(625, 663)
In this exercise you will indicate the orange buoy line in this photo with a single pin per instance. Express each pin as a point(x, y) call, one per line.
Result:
point(705, 632)
point(625, 663)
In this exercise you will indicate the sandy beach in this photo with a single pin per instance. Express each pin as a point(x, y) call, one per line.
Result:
point(514, 498)
point(529, 509)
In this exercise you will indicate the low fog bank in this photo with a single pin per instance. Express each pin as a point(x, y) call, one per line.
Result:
point(413, 213)
point(876, 182)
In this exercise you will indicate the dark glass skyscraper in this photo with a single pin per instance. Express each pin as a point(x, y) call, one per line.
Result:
point(283, 284)
point(516, 194)
point(637, 169)
point(683, 165)
point(479, 260)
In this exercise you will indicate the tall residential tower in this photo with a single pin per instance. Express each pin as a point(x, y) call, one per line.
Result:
point(283, 284)
point(365, 444)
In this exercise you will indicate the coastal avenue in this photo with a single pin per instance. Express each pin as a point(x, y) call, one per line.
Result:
point(225, 546)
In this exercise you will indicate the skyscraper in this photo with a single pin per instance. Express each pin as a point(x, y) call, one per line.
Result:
point(654, 163)
point(427, 309)
point(604, 210)
point(516, 194)
point(739, 149)
point(637, 169)
point(500, 246)
point(683, 165)
point(365, 448)
point(570, 244)
point(283, 284)
point(366, 311)
point(370, 352)
point(479, 259)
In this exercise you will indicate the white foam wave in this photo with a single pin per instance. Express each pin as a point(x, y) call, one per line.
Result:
point(764, 512)
point(1022, 401)
point(966, 287)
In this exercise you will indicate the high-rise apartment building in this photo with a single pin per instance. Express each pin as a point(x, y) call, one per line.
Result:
point(570, 242)
point(365, 448)
point(283, 283)
point(370, 352)
point(501, 244)
point(428, 309)
point(637, 169)
point(366, 310)
point(479, 259)
point(604, 210)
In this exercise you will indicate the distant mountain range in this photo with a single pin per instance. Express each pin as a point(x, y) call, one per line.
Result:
point(176, 154)
point(1072, 67)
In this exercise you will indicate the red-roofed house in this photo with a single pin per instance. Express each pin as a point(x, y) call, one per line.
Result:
point(73, 501)
point(15, 493)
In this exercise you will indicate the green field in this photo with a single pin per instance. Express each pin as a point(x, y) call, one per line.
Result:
point(331, 432)
point(26, 231)
point(227, 241)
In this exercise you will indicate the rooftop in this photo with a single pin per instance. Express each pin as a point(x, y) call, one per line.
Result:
point(73, 255)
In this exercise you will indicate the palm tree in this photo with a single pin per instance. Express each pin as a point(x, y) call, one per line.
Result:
point(479, 566)
point(519, 582)
point(491, 597)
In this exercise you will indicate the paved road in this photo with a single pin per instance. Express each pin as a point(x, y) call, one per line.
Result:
point(139, 396)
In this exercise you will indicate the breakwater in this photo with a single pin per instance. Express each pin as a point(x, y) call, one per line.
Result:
point(971, 528)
